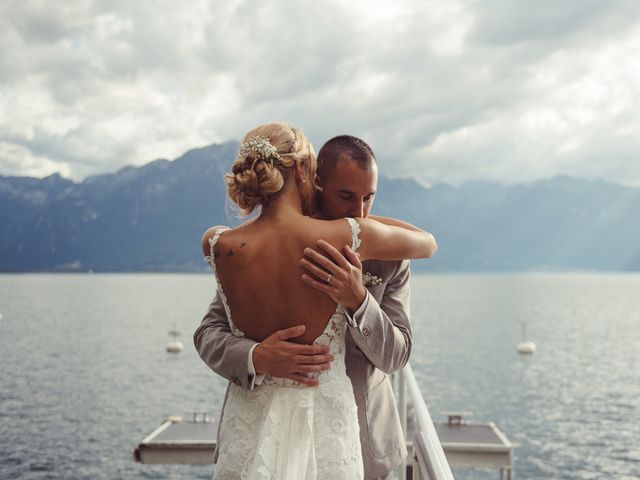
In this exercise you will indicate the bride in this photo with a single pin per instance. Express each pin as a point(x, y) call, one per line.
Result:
point(283, 429)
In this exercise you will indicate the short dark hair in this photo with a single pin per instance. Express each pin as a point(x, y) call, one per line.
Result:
point(347, 147)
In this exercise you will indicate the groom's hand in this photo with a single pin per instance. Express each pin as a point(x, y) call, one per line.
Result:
point(278, 357)
point(343, 272)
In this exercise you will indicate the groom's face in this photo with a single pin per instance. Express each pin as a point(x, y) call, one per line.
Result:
point(348, 190)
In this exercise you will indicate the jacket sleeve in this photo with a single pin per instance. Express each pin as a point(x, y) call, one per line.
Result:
point(224, 353)
point(383, 331)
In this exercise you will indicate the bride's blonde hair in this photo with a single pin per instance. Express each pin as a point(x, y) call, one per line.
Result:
point(265, 165)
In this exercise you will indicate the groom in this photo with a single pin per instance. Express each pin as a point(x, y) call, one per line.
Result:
point(380, 333)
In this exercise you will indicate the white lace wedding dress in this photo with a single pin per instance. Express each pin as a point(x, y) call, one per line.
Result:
point(283, 430)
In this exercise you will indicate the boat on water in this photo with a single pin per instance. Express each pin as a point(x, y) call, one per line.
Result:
point(433, 447)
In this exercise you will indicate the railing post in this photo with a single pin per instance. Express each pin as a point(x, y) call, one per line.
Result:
point(415, 466)
point(427, 448)
point(402, 408)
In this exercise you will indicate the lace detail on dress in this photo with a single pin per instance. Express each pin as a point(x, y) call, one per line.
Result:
point(355, 233)
point(285, 431)
point(211, 259)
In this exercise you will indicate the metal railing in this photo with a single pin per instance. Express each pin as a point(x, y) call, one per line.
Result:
point(429, 460)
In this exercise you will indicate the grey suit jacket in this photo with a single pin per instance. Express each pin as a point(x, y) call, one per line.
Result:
point(380, 344)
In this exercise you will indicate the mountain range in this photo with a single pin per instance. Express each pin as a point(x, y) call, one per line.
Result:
point(151, 218)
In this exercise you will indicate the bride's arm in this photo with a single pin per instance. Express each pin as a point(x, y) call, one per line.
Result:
point(395, 222)
point(394, 240)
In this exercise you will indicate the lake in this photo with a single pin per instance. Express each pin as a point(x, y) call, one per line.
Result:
point(84, 374)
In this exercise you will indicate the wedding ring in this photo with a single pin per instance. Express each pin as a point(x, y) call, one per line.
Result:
point(328, 281)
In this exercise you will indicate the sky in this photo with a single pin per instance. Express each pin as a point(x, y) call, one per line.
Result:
point(444, 91)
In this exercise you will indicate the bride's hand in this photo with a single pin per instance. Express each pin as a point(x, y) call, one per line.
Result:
point(278, 357)
point(337, 275)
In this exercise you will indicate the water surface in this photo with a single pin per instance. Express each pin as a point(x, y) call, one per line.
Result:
point(84, 375)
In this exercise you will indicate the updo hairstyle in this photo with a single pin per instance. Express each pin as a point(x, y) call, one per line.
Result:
point(265, 165)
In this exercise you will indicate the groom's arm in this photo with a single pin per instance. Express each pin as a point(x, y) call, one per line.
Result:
point(245, 362)
point(227, 355)
point(382, 331)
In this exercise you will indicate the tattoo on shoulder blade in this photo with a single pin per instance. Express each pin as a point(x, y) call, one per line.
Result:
point(242, 244)
point(231, 253)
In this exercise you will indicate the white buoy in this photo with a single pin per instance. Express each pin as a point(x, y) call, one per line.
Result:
point(175, 347)
point(0, 316)
point(526, 347)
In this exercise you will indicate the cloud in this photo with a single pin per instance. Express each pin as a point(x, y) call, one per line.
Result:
point(443, 91)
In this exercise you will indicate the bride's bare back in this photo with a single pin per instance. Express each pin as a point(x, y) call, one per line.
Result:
point(258, 266)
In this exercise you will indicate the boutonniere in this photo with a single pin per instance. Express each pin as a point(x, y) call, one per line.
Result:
point(370, 280)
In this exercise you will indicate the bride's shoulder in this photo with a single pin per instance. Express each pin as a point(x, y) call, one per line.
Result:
point(208, 236)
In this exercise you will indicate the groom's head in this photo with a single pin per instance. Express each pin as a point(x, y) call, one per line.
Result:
point(348, 175)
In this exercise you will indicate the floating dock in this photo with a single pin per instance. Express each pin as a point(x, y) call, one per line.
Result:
point(465, 444)
point(436, 446)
